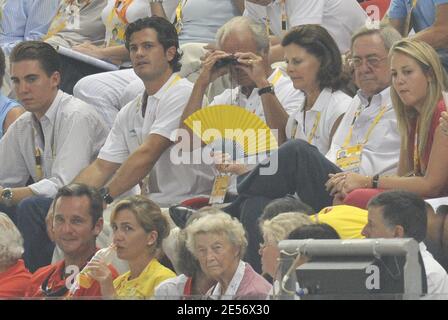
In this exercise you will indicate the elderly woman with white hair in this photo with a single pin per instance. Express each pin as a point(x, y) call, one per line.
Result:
point(14, 277)
point(218, 241)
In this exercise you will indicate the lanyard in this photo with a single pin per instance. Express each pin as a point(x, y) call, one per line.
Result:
point(284, 15)
point(284, 18)
point(313, 131)
point(233, 285)
point(37, 157)
point(372, 126)
point(119, 10)
point(179, 15)
point(38, 153)
point(417, 163)
point(188, 287)
point(37, 150)
point(59, 22)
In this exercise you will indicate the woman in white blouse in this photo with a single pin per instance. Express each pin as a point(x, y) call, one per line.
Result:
point(314, 65)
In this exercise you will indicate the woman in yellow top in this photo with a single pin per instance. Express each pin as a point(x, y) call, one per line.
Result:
point(138, 230)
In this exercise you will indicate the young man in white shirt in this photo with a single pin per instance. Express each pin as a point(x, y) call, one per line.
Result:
point(303, 170)
point(51, 144)
point(281, 15)
point(401, 214)
point(142, 135)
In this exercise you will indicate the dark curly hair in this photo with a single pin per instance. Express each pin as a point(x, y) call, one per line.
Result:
point(317, 41)
point(166, 35)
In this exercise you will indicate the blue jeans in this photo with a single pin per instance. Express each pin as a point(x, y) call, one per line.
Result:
point(30, 219)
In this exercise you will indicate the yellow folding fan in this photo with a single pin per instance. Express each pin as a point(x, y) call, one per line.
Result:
point(228, 122)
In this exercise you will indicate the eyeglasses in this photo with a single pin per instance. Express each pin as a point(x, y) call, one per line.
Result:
point(373, 62)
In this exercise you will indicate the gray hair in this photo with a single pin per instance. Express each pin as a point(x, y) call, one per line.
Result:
point(387, 33)
point(279, 227)
point(243, 23)
point(11, 242)
point(219, 223)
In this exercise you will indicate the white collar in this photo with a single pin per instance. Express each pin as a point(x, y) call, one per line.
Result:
point(233, 285)
point(379, 99)
point(322, 100)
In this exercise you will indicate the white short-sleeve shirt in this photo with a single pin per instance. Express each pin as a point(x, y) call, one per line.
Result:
point(289, 97)
point(162, 116)
point(330, 106)
point(340, 17)
point(381, 153)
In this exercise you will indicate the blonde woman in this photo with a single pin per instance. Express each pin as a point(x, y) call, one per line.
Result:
point(138, 230)
point(274, 231)
point(218, 241)
point(418, 80)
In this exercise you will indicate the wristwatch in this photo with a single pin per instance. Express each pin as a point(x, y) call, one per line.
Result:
point(268, 89)
point(7, 196)
point(104, 192)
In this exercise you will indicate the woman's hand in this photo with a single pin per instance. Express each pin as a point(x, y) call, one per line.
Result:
point(343, 183)
point(99, 271)
point(224, 165)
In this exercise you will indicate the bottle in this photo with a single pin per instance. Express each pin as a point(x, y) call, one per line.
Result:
point(84, 280)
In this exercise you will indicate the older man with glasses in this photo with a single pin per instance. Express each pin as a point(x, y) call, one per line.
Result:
point(367, 140)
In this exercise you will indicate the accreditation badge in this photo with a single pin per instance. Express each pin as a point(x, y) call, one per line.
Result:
point(219, 190)
point(349, 158)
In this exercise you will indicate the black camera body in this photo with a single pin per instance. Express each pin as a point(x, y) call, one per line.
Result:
point(226, 61)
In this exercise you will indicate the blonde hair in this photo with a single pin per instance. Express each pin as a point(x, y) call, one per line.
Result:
point(11, 242)
point(279, 227)
point(218, 223)
point(147, 213)
point(429, 61)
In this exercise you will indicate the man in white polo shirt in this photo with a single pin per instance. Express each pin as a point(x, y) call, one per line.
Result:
point(340, 17)
point(141, 137)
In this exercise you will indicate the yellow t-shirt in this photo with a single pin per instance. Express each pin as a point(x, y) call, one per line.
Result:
point(348, 221)
point(143, 286)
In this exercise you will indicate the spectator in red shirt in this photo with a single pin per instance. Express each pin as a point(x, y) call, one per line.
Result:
point(14, 277)
point(75, 220)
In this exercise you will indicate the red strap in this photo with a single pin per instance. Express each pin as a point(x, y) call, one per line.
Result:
point(188, 286)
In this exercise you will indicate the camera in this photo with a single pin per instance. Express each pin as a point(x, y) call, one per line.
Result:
point(226, 61)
